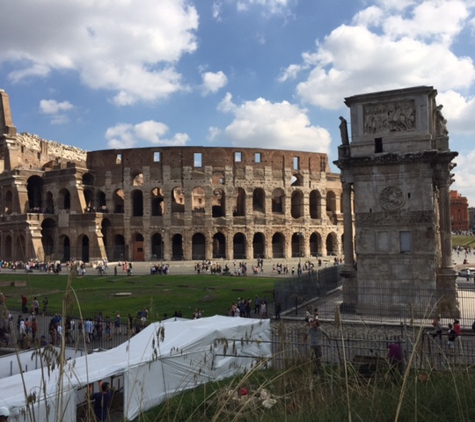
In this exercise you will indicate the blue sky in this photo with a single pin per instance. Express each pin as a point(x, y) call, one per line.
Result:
point(100, 74)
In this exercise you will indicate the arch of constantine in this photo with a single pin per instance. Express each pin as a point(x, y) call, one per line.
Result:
point(61, 203)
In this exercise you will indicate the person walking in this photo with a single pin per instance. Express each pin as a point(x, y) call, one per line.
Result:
point(315, 333)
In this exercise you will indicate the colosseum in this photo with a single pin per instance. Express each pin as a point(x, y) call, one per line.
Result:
point(172, 203)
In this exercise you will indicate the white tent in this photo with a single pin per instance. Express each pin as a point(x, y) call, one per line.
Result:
point(163, 359)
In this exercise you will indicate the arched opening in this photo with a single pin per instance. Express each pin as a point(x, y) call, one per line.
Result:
point(157, 202)
point(178, 199)
point(278, 198)
point(331, 201)
point(8, 248)
point(278, 245)
point(259, 200)
point(297, 180)
point(138, 248)
point(219, 203)
point(64, 199)
point(315, 204)
point(258, 245)
point(35, 194)
point(331, 206)
point(8, 202)
point(315, 245)
point(89, 199)
point(239, 209)
point(101, 201)
point(296, 209)
point(48, 234)
point(137, 178)
point(297, 244)
point(198, 246)
point(198, 199)
point(137, 203)
point(66, 245)
point(239, 246)
point(49, 203)
point(88, 180)
point(120, 252)
point(219, 245)
point(332, 244)
point(84, 248)
point(118, 201)
point(177, 247)
point(158, 246)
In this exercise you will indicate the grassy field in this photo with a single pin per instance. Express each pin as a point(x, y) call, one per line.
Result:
point(159, 294)
point(464, 241)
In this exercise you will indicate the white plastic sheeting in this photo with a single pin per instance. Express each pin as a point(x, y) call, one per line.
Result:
point(163, 359)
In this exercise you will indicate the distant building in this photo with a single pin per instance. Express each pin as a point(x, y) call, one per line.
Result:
point(471, 217)
point(459, 212)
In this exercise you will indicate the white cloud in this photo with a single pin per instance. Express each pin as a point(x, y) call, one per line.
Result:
point(216, 11)
point(407, 49)
point(226, 105)
point(272, 125)
point(116, 46)
point(213, 82)
point(56, 110)
point(213, 133)
point(435, 21)
point(125, 135)
point(459, 111)
point(53, 107)
point(270, 6)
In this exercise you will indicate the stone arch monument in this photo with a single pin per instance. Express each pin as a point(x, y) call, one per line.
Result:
point(395, 171)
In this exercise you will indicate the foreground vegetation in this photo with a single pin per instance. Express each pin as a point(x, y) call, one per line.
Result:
point(159, 294)
point(298, 394)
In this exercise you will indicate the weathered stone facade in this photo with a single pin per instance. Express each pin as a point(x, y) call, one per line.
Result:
point(171, 203)
point(397, 167)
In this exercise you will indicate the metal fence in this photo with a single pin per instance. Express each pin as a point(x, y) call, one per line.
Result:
point(294, 293)
point(366, 347)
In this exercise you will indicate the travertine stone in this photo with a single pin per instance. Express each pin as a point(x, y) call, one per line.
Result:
point(398, 163)
point(64, 203)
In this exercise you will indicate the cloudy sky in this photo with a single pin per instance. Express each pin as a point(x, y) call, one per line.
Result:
point(100, 74)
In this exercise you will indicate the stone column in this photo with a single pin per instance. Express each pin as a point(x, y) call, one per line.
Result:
point(347, 226)
point(445, 223)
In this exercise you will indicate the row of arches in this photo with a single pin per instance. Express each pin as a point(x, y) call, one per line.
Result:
point(160, 247)
point(176, 201)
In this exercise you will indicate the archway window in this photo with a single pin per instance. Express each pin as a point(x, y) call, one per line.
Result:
point(239, 209)
point(137, 203)
point(138, 179)
point(198, 199)
point(157, 202)
point(315, 204)
point(118, 200)
point(35, 194)
point(239, 246)
point(219, 203)
point(65, 199)
point(178, 200)
point(297, 204)
point(278, 198)
point(259, 200)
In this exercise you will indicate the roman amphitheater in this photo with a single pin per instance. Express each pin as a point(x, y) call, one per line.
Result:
point(173, 203)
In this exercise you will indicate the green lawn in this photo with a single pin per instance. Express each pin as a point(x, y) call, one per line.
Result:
point(463, 241)
point(159, 294)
